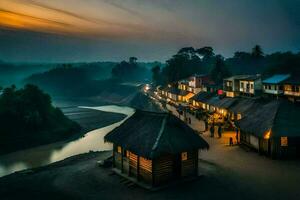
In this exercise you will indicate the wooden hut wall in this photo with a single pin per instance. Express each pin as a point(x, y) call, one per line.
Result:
point(133, 164)
point(125, 162)
point(117, 158)
point(189, 166)
point(145, 170)
point(162, 169)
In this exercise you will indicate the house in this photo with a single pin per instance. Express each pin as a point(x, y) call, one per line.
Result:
point(251, 85)
point(153, 149)
point(197, 83)
point(199, 100)
point(231, 85)
point(176, 95)
point(292, 88)
point(274, 85)
point(272, 128)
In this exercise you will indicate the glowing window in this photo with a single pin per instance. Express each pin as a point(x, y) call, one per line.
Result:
point(119, 149)
point(184, 156)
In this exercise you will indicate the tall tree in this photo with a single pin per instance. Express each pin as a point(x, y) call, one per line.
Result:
point(206, 52)
point(220, 71)
point(257, 52)
point(156, 76)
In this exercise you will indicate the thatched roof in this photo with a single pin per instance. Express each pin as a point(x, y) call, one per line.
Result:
point(202, 96)
point(243, 105)
point(280, 116)
point(150, 135)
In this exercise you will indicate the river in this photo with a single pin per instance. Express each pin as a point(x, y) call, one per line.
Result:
point(46, 154)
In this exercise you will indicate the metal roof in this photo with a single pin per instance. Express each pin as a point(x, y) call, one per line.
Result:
point(276, 79)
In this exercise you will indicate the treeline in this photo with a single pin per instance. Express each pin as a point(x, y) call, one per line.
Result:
point(27, 118)
point(188, 61)
point(130, 71)
point(77, 81)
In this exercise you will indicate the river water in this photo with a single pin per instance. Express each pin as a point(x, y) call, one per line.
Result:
point(46, 154)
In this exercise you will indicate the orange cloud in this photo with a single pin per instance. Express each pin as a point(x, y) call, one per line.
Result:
point(21, 21)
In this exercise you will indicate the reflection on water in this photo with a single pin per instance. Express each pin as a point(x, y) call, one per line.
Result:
point(43, 155)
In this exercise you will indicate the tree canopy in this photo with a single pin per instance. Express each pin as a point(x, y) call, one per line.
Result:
point(28, 118)
point(129, 71)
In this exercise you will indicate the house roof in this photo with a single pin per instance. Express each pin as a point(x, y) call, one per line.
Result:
point(280, 116)
point(176, 91)
point(238, 77)
point(294, 80)
point(243, 105)
point(259, 114)
point(202, 96)
point(276, 79)
point(151, 135)
point(251, 78)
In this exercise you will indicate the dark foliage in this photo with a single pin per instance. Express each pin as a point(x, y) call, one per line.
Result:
point(189, 61)
point(220, 71)
point(156, 75)
point(27, 119)
point(130, 71)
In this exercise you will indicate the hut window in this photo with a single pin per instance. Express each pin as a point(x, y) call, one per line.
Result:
point(127, 154)
point(267, 135)
point(184, 156)
point(119, 149)
point(284, 141)
point(239, 116)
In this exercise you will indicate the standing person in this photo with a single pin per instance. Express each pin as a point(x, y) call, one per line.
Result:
point(212, 131)
point(230, 141)
point(220, 131)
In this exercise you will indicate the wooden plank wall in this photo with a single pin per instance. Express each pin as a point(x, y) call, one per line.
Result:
point(145, 170)
point(133, 164)
point(188, 167)
point(118, 159)
point(163, 169)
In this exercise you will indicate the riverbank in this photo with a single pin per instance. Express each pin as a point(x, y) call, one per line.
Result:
point(95, 123)
point(79, 177)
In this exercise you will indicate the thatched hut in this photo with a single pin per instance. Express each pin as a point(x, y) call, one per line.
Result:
point(272, 128)
point(155, 148)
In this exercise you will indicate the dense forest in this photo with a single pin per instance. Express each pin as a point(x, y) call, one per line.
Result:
point(28, 118)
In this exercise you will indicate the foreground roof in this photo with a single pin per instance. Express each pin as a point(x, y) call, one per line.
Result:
point(276, 79)
point(150, 135)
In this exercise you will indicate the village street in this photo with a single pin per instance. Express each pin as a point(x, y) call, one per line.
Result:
point(245, 169)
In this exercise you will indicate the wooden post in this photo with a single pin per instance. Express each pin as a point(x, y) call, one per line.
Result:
point(122, 168)
point(153, 172)
point(196, 170)
point(138, 168)
point(114, 164)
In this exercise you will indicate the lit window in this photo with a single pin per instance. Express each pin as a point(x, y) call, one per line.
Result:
point(119, 149)
point(184, 156)
point(239, 116)
point(284, 141)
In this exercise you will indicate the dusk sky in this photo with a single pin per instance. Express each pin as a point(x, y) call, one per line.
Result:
point(102, 30)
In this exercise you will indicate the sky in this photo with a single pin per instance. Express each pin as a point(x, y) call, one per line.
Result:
point(113, 30)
